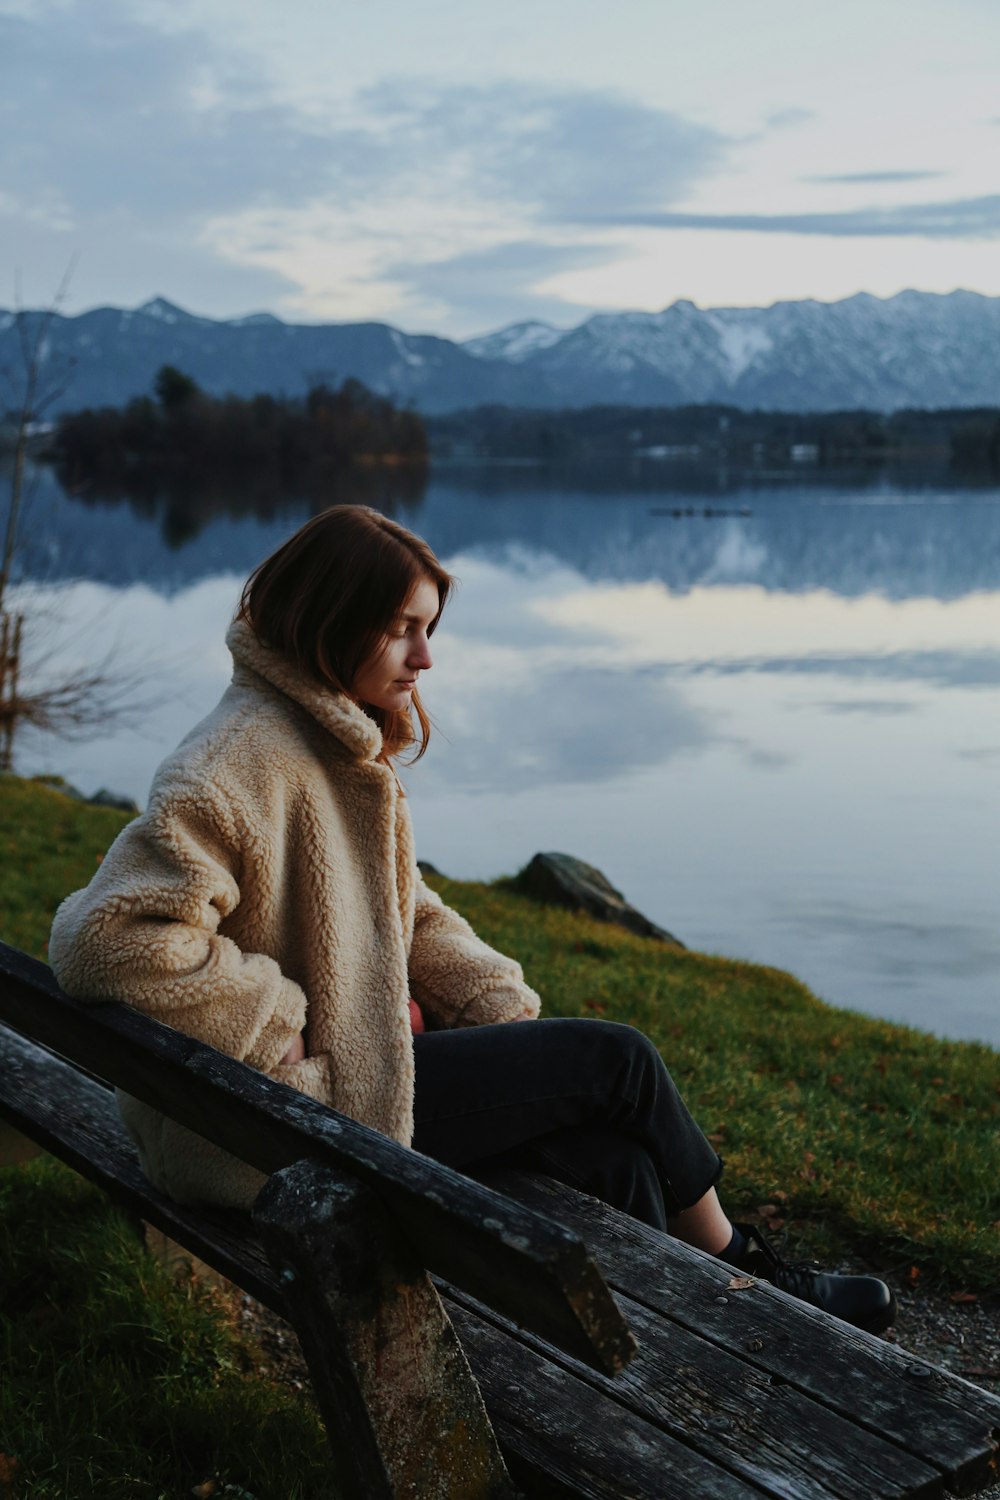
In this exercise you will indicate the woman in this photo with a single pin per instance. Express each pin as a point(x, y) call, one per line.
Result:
point(268, 902)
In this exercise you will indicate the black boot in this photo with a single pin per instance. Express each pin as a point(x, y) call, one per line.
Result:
point(862, 1300)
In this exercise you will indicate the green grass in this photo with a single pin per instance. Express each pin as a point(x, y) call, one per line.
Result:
point(120, 1382)
point(50, 844)
point(872, 1138)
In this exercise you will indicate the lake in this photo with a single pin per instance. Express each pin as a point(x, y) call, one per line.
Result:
point(778, 732)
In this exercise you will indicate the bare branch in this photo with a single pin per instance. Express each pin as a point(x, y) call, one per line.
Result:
point(58, 390)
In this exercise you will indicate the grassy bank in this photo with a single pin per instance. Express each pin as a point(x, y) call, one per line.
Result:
point(866, 1136)
point(121, 1381)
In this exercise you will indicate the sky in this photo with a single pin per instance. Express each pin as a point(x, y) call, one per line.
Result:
point(451, 167)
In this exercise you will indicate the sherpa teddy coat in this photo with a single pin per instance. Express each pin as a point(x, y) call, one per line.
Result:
point(271, 887)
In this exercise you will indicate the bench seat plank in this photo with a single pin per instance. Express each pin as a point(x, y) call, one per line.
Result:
point(587, 1443)
point(771, 1435)
point(478, 1239)
point(947, 1422)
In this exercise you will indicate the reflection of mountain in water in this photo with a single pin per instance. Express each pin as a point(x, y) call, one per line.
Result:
point(867, 541)
point(900, 544)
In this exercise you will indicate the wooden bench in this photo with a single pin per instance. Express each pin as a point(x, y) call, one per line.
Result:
point(474, 1340)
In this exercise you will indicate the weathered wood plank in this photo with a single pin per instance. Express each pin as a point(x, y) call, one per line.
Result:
point(77, 1120)
point(950, 1424)
point(473, 1237)
point(582, 1439)
point(770, 1435)
point(401, 1406)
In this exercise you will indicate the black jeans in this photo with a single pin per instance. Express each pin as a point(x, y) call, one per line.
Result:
point(585, 1101)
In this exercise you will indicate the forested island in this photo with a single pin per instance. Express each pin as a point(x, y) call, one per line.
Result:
point(343, 440)
point(204, 455)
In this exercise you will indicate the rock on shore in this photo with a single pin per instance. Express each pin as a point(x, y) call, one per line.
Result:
point(561, 880)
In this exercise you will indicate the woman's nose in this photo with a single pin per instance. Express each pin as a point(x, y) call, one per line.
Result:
point(420, 657)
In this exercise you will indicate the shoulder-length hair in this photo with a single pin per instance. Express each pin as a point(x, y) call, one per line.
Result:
point(327, 598)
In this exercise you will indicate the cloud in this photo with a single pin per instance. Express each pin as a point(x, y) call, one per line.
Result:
point(106, 116)
point(883, 707)
point(465, 168)
point(874, 177)
point(977, 667)
point(120, 140)
point(553, 152)
point(897, 948)
point(960, 218)
point(781, 119)
point(498, 284)
point(541, 728)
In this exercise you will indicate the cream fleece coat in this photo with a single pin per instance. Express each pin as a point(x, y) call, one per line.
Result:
point(271, 887)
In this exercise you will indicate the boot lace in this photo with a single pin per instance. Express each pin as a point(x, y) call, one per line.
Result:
point(795, 1276)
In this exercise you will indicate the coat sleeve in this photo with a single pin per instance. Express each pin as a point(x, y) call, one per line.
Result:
point(145, 931)
point(455, 976)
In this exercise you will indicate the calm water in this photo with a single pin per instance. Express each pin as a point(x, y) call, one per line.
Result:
point(778, 734)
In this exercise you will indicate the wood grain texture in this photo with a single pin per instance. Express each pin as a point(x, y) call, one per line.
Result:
point(400, 1403)
point(715, 1403)
point(939, 1418)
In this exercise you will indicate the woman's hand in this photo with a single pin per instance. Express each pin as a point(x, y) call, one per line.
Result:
point(296, 1051)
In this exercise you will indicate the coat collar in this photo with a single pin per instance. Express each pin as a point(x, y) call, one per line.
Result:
point(334, 711)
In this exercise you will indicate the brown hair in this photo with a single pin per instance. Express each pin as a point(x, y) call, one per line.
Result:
point(327, 597)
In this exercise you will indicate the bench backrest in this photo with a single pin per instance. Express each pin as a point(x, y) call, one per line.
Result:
point(510, 1257)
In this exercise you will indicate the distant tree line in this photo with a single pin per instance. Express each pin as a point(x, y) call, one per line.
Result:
point(332, 443)
point(965, 440)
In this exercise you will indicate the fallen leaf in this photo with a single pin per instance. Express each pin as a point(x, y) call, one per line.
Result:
point(963, 1297)
point(767, 1210)
point(913, 1274)
point(775, 1222)
point(206, 1489)
point(836, 1079)
point(740, 1283)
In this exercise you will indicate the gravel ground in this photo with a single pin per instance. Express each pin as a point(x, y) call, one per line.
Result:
point(942, 1327)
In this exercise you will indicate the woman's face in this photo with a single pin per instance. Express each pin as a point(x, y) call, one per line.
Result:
point(387, 679)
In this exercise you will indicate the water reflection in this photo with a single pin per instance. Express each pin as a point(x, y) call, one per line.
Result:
point(939, 544)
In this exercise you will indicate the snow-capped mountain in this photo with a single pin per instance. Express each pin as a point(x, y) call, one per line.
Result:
point(917, 349)
point(515, 343)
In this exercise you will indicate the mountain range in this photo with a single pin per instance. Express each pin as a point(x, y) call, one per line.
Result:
point(916, 349)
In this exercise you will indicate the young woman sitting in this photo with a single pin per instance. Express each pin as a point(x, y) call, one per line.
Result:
point(268, 902)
